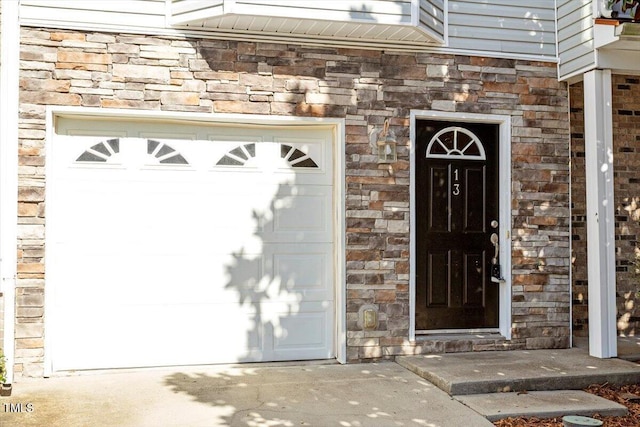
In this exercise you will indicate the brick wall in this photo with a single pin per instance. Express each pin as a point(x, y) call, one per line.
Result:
point(626, 164)
point(580, 315)
point(364, 87)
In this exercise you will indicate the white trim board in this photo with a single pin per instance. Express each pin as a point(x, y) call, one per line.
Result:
point(504, 206)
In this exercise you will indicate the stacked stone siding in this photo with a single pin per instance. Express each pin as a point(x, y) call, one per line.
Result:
point(626, 164)
point(364, 87)
point(1, 294)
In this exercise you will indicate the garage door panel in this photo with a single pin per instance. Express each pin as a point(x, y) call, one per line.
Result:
point(299, 148)
point(301, 217)
point(147, 280)
point(280, 272)
point(143, 215)
point(289, 337)
point(147, 211)
point(201, 262)
point(161, 335)
point(306, 271)
point(154, 335)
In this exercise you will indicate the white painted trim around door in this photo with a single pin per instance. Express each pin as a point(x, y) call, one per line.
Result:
point(504, 190)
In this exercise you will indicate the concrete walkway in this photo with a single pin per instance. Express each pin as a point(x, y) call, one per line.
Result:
point(383, 394)
point(483, 385)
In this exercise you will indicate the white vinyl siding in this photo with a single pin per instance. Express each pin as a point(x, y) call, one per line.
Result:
point(432, 15)
point(396, 12)
point(484, 27)
point(94, 14)
point(503, 26)
point(575, 36)
point(186, 10)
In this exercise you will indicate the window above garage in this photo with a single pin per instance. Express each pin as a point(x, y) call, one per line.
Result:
point(362, 23)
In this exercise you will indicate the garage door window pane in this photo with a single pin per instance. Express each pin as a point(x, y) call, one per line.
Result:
point(296, 158)
point(238, 156)
point(100, 152)
point(164, 153)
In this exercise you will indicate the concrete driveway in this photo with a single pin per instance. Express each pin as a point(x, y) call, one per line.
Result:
point(308, 394)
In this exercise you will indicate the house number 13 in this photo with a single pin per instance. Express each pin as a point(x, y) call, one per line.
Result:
point(456, 185)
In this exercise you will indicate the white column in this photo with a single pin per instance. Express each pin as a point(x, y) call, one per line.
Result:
point(598, 140)
point(9, 60)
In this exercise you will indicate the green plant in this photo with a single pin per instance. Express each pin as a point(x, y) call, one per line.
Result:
point(626, 6)
point(3, 368)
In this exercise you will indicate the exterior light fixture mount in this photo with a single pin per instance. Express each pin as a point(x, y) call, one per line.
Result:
point(386, 145)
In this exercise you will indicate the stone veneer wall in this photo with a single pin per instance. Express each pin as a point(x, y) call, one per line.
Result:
point(364, 87)
point(626, 166)
point(1, 294)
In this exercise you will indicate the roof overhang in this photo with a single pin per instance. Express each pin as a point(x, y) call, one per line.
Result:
point(350, 29)
point(613, 34)
point(617, 45)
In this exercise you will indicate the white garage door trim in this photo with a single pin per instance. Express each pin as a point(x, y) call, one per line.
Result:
point(336, 126)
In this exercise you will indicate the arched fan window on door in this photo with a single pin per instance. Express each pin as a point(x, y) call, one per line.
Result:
point(457, 142)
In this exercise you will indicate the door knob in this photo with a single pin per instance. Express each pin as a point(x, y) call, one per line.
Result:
point(494, 241)
point(496, 275)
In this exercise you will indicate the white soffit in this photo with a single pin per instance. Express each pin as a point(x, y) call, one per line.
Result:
point(313, 25)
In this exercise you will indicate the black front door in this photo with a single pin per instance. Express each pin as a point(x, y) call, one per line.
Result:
point(456, 216)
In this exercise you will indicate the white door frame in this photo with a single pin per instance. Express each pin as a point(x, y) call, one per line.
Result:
point(338, 127)
point(504, 206)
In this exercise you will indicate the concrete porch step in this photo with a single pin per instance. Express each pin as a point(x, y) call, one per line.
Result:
point(519, 370)
point(541, 404)
point(536, 383)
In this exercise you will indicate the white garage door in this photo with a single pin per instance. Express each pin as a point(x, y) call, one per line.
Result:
point(170, 244)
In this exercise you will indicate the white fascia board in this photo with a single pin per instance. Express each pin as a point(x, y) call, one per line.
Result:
point(619, 61)
point(576, 76)
point(604, 35)
point(9, 60)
